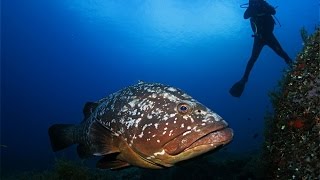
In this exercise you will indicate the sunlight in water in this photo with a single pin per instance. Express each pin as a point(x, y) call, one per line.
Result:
point(166, 23)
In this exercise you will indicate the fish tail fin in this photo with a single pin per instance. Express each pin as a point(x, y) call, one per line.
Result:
point(61, 136)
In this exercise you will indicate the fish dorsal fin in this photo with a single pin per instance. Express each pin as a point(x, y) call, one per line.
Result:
point(110, 162)
point(89, 107)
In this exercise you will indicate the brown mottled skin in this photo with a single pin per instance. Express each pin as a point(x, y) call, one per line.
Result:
point(149, 125)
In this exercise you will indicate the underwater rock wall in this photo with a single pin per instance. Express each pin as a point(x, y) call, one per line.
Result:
point(292, 147)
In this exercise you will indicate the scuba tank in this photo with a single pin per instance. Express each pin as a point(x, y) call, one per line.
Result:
point(253, 21)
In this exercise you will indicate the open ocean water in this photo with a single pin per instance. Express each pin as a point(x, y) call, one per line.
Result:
point(56, 55)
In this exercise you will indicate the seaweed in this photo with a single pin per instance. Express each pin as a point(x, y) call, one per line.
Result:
point(304, 34)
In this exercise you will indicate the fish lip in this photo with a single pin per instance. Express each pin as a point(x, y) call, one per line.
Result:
point(182, 142)
point(207, 140)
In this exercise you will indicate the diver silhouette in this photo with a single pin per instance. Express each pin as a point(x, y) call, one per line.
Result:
point(262, 24)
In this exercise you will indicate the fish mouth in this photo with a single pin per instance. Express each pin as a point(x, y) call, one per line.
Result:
point(208, 138)
point(213, 139)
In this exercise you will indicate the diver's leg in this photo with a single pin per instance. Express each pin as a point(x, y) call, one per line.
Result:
point(237, 89)
point(273, 43)
point(257, 47)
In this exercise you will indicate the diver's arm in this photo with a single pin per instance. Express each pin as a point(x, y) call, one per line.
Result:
point(248, 13)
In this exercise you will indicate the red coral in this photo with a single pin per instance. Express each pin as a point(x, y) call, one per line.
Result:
point(297, 123)
point(301, 66)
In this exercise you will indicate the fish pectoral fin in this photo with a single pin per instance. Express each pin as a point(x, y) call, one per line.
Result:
point(103, 140)
point(108, 162)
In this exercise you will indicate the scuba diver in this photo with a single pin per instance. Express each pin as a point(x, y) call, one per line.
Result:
point(262, 24)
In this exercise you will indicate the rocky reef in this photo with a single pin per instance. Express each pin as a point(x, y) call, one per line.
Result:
point(292, 147)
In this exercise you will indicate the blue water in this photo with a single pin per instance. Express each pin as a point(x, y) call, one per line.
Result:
point(58, 54)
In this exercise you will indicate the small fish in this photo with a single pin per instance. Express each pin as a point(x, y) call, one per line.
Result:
point(149, 125)
point(255, 135)
point(4, 146)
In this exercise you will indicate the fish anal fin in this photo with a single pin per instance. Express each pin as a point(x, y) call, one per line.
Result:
point(109, 162)
point(89, 107)
point(103, 140)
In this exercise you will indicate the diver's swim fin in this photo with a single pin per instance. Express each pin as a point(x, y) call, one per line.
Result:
point(237, 89)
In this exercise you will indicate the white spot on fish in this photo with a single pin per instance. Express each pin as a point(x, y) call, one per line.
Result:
point(170, 133)
point(144, 127)
point(133, 102)
point(158, 141)
point(185, 133)
point(134, 112)
point(165, 95)
point(172, 89)
point(156, 125)
point(137, 122)
point(130, 122)
point(141, 134)
point(150, 157)
point(182, 125)
point(189, 127)
point(159, 153)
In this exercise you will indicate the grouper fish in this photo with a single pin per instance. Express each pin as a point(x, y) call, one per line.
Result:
point(150, 125)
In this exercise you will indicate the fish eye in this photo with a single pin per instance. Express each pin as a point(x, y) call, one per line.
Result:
point(184, 108)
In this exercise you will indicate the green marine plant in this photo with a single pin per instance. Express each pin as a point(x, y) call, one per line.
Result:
point(304, 35)
point(66, 169)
